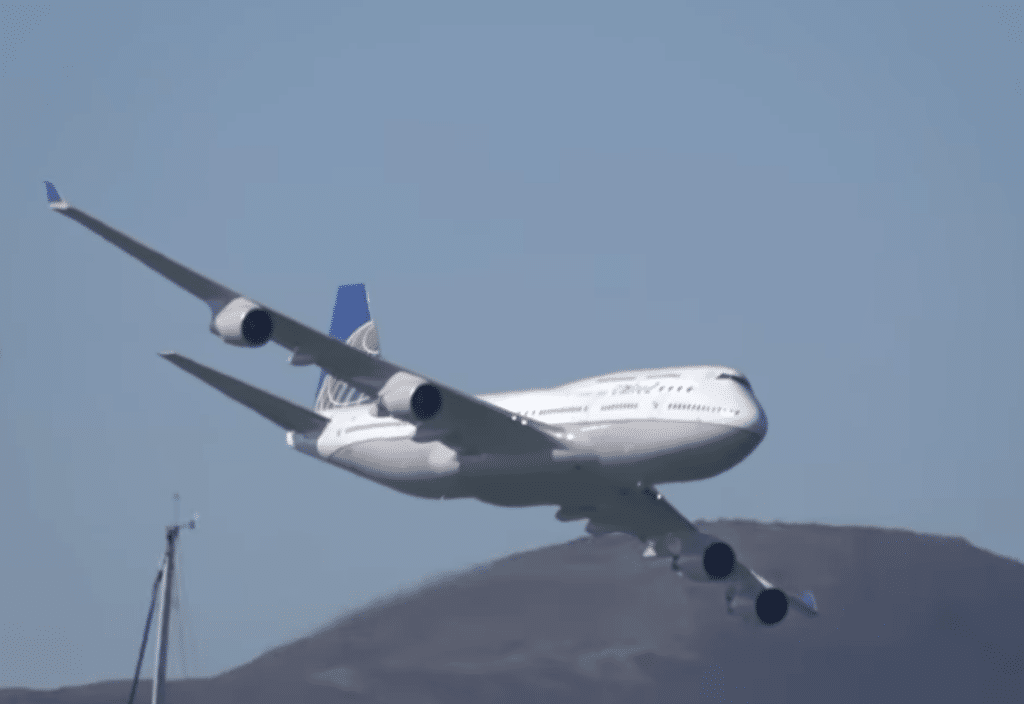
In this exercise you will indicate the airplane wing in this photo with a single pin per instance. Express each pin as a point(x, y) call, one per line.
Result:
point(286, 414)
point(468, 424)
point(645, 514)
point(205, 289)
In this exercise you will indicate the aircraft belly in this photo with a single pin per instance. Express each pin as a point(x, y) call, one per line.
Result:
point(527, 480)
point(425, 469)
point(654, 451)
point(705, 455)
point(603, 455)
point(627, 442)
point(400, 458)
point(611, 453)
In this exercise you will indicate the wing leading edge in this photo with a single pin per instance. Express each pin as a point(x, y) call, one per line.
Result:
point(469, 424)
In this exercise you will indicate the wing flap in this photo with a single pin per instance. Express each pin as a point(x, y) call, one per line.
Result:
point(284, 413)
point(363, 371)
point(646, 515)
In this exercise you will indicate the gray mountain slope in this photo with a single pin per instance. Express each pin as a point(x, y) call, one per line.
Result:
point(904, 618)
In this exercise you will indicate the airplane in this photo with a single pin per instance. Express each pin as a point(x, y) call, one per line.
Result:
point(596, 447)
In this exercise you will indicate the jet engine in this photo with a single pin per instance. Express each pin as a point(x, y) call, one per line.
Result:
point(410, 398)
point(714, 563)
point(243, 323)
point(766, 609)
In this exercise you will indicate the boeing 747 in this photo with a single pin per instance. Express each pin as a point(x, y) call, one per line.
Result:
point(595, 448)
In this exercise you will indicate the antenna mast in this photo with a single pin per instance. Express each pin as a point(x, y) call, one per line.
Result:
point(164, 616)
point(165, 581)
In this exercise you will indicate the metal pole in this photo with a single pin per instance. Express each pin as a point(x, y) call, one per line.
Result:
point(160, 669)
point(145, 632)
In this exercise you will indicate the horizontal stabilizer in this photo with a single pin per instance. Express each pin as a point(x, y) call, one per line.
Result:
point(288, 415)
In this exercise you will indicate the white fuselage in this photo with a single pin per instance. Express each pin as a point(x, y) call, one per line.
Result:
point(649, 426)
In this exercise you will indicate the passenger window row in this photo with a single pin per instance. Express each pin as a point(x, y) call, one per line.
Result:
point(625, 406)
point(618, 406)
point(699, 407)
point(572, 409)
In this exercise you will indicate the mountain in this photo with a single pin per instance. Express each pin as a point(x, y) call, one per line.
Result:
point(905, 617)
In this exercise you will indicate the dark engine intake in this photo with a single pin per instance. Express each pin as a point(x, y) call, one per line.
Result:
point(771, 606)
point(768, 608)
point(243, 323)
point(719, 559)
point(715, 563)
point(410, 398)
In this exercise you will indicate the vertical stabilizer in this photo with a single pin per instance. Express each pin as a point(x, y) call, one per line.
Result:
point(352, 324)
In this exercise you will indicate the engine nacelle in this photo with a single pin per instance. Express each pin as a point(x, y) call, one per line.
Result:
point(410, 398)
point(714, 563)
point(243, 323)
point(766, 609)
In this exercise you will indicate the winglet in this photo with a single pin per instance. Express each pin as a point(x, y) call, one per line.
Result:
point(807, 603)
point(808, 598)
point(55, 200)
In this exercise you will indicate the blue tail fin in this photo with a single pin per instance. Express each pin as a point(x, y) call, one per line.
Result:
point(352, 324)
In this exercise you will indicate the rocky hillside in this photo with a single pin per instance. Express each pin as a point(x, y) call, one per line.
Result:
point(904, 618)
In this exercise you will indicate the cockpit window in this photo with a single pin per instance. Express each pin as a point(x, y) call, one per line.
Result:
point(738, 377)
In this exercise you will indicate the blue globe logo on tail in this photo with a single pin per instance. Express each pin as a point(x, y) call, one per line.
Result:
point(351, 323)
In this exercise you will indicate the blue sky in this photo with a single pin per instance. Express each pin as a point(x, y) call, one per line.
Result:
point(824, 195)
